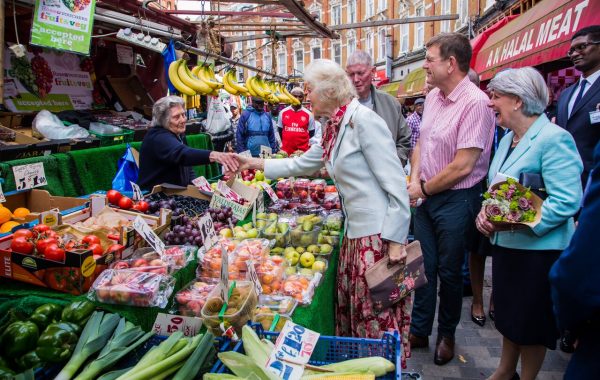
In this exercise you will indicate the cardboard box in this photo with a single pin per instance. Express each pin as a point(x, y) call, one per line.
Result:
point(239, 211)
point(12, 119)
point(39, 201)
point(189, 191)
point(74, 276)
point(25, 147)
point(131, 94)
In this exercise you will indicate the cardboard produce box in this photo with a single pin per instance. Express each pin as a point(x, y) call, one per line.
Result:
point(239, 211)
point(128, 94)
point(25, 147)
point(38, 202)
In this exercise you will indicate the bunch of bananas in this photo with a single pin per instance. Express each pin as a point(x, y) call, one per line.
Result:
point(270, 91)
point(200, 80)
point(232, 86)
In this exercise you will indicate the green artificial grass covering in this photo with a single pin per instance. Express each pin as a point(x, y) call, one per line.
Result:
point(51, 170)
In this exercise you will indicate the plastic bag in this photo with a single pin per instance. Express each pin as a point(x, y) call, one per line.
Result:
point(105, 129)
point(216, 120)
point(127, 171)
point(51, 127)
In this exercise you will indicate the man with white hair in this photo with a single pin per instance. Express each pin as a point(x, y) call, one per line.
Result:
point(360, 69)
point(296, 125)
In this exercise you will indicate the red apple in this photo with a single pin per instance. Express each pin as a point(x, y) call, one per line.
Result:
point(139, 263)
point(121, 265)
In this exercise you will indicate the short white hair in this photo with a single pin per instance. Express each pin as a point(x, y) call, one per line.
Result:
point(161, 111)
point(527, 84)
point(329, 81)
point(360, 57)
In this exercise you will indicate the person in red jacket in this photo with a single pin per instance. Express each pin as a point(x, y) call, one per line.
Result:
point(296, 125)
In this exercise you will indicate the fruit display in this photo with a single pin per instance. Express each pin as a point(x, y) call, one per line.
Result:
point(179, 204)
point(209, 269)
point(9, 220)
point(123, 202)
point(300, 189)
point(222, 217)
point(238, 310)
point(306, 231)
point(253, 177)
point(188, 233)
point(316, 190)
point(285, 189)
point(330, 233)
point(300, 287)
point(331, 201)
point(251, 249)
point(192, 298)
point(279, 232)
point(273, 311)
point(150, 262)
point(130, 287)
point(270, 272)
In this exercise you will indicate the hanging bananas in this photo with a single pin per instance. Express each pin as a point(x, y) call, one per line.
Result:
point(177, 82)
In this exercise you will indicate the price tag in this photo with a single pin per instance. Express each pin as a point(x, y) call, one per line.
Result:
point(265, 152)
point(137, 192)
point(167, 324)
point(246, 153)
point(252, 276)
point(293, 349)
point(269, 191)
point(2, 198)
point(140, 225)
point(29, 176)
point(224, 286)
point(227, 193)
point(207, 231)
point(202, 184)
point(260, 202)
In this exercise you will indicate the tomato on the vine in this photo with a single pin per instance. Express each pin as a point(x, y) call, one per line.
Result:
point(143, 206)
point(115, 248)
point(41, 228)
point(125, 203)
point(54, 252)
point(113, 197)
point(22, 245)
point(71, 244)
point(96, 249)
point(90, 239)
point(42, 244)
point(23, 232)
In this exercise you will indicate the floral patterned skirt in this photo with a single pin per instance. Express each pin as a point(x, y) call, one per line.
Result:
point(355, 315)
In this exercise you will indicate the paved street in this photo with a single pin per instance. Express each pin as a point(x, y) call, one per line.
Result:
point(478, 350)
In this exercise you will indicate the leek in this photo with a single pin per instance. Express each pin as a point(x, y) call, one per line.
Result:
point(220, 376)
point(96, 333)
point(157, 353)
point(125, 339)
point(112, 375)
point(194, 363)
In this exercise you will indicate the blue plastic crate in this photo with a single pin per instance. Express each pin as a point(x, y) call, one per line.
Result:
point(333, 349)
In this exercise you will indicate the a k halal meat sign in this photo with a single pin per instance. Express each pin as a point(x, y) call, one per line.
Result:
point(534, 35)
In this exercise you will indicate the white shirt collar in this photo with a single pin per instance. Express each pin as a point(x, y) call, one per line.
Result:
point(592, 78)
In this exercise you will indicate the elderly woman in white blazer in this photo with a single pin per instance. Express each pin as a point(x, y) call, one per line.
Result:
point(359, 154)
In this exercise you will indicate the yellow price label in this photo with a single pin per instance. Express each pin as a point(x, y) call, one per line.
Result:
point(88, 267)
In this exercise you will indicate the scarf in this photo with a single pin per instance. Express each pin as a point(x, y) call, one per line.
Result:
point(330, 132)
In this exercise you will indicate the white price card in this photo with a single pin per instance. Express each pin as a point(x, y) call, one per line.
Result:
point(245, 153)
point(167, 324)
point(2, 198)
point(137, 192)
point(269, 190)
point(202, 184)
point(140, 225)
point(252, 276)
point(293, 348)
point(207, 231)
point(224, 285)
point(227, 193)
point(265, 151)
point(29, 176)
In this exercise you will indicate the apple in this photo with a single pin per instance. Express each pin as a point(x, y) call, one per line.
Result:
point(325, 249)
point(139, 263)
point(293, 257)
point(259, 176)
point(307, 259)
point(313, 248)
point(300, 250)
point(157, 263)
point(120, 294)
point(252, 233)
point(319, 266)
point(103, 293)
point(226, 232)
point(121, 265)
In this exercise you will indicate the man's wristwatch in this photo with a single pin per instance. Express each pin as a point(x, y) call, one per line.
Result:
point(423, 189)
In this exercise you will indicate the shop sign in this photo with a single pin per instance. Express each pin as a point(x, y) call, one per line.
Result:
point(63, 25)
point(124, 54)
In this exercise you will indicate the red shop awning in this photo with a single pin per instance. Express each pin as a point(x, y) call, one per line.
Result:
point(542, 34)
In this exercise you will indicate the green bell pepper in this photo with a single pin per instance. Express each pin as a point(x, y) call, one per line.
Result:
point(6, 374)
point(29, 360)
point(19, 338)
point(57, 342)
point(46, 314)
point(78, 312)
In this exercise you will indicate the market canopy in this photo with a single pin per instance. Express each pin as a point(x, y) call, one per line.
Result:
point(413, 84)
point(390, 88)
point(540, 35)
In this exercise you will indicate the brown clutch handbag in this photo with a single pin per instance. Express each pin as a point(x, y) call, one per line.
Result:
point(389, 283)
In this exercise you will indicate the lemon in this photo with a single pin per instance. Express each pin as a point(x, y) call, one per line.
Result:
point(5, 215)
point(8, 226)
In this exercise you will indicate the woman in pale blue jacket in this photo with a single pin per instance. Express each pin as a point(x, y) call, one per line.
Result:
point(522, 257)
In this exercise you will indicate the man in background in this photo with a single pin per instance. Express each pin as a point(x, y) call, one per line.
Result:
point(296, 125)
point(414, 122)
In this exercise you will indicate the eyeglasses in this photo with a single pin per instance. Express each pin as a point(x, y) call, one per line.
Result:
point(581, 47)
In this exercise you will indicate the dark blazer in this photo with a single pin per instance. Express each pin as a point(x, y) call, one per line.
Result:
point(585, 134)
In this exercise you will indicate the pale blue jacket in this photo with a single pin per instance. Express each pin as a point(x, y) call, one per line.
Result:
point(367, 172)
point(548, 150)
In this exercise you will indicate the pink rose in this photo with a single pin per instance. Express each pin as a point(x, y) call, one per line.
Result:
point(524, 203)
point(492, 210)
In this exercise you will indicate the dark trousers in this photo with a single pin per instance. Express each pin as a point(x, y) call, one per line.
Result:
point(584, 363)
point(443, 225)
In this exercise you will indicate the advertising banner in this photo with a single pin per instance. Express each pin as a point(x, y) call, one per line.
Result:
point(63, 24)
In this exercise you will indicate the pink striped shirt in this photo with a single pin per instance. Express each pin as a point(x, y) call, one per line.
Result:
point(458, 121)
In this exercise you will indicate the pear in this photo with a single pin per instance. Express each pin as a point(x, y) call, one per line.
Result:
point(252, 233)
point(276, 250)
point(313, 248)
point(325, 249)
point(300, 250)
point(247, 226)
point(283, 227)
point(261, 223)
point(307, 226)
point(261, 215)
point(272, 216)
point(272, 229)
point(289, 250)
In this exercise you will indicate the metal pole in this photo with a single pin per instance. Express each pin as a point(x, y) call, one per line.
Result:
point(192, 50)
point(3, 23)
point(229, 13)
point(395, 21)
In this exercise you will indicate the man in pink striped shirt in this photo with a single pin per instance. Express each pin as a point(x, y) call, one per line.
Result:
point(449, 163)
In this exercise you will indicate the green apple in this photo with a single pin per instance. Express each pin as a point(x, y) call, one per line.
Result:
point(268, 181)
point(293, 257)
point(252, 233)
point(290, 250)
point(313, 248)
point(307, 259)
point(319, 266)
point(306, 272)
point(226, 232)
point(259, 176)
point(300, 250)
point(325, 249)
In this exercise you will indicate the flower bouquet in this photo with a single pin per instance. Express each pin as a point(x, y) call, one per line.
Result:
point(509, 203)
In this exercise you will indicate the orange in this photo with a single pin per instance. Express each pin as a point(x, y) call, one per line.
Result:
point(5, 215)
point(21, 212)
point(7, 226)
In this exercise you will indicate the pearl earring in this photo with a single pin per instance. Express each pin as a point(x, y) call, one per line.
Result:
point(515, 108)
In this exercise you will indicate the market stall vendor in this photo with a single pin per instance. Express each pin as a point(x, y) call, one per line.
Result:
point(164, 155)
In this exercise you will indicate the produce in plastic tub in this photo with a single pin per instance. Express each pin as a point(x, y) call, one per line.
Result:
point(238, 312)
point(304, 235)
point(178, 255)
point(149, 262)
point(301, 287)
point(284, 189)
point(278, 304)
point(314, 264)
point(331, 201)
point(270, 273)
point(192, 298)
point(127, 287)
point(316, 190)
point(301, 186)
point(279, 233)
point(210, 264)
point(270, 320)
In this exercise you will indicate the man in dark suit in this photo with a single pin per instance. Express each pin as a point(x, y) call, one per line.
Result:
point(575, 285)
point(578, 103)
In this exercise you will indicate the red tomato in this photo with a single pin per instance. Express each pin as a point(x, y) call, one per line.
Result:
point(71, 244)
point(22, 245)
point(51, 234)
point(115, 248)
point(136, 207)
point(143, 206)
point(96, 249)
point(90, 239)
point(24, 233)
point(125, 203)
point(42, 244)
point(54, 252)
point(114, 237)
point(113, 197)
point(41, 228)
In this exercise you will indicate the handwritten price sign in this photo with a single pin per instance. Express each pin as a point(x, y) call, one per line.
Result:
point(29, 176)
point(292, 351)
point(2, 199)
point(265, 151)
point(207, 231)
point(227, 193)
point(140, 225)
point(224, 284)
point(269, 190)
point(167, 324)
point(137, 192)
point(202, 184)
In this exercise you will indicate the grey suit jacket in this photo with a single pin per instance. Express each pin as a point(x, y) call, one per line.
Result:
point(367, 172)
point(390, 110)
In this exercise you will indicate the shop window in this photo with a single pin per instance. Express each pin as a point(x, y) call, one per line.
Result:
point(299, 60)
point(337, 52)
point(351, 45)
point(382, 47)
point(382, 5)
point(370, 44)
point(252, 62)
point(463, 12)
point(419, 27)
point(445, 25)
point(403, 38)
point(336, 14)
point(316, 52)
point(370, 11)
point(267, 64)
point(351, 11)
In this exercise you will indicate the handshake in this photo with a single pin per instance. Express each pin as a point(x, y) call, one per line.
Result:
point(234, 163)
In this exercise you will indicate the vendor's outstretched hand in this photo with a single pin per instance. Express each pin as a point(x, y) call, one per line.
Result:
point(246, 162)
point(228, 160)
